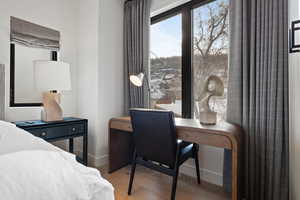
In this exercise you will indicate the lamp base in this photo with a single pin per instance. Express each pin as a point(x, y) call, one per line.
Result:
point(52, 110)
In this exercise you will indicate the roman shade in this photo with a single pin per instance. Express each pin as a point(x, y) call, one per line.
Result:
point(33, 35)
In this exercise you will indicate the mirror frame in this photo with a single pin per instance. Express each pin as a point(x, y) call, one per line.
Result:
point(12, 102)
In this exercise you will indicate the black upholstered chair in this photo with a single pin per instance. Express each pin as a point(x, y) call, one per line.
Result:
point(157, 146)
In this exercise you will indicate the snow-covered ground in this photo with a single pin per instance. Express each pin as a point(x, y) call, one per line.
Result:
point(219, 106)
point(175, 107)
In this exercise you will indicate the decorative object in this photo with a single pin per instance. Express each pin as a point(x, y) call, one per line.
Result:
point(51, 77)
point(213, 87)
point(29, 42)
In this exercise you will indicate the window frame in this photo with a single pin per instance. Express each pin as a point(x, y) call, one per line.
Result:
point(186, 10)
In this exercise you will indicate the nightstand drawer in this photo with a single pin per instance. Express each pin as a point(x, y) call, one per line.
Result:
point(76, 129)
point(42, 133)
point(55, 132)
point(67, 129)
point(50, 133)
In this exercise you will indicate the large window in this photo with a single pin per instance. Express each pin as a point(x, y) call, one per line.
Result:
point(189, 48)
point(210, 55)
point(165, 54)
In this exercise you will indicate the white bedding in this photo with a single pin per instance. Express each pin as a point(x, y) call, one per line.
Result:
point(32, 169)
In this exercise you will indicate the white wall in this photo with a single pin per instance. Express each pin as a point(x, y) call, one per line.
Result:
point(56, 14)
point(87, 79)
point(100, 70)
point(111, 82)
point(294, 73)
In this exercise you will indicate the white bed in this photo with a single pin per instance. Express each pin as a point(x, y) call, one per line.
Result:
point(32, 169)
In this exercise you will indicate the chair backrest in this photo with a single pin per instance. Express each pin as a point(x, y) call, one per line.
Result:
point(154, 135)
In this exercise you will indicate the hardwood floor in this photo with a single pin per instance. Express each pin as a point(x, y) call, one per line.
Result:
point(151, 185)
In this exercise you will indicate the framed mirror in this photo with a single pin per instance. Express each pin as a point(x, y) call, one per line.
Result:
point(295, 37)
point(23, 91)
point(29, 42)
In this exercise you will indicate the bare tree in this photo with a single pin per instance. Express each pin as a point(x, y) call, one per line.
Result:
point(210, 40)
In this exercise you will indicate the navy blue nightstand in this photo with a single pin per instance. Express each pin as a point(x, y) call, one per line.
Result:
point(69, 128)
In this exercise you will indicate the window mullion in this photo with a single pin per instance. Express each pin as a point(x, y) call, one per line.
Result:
point(187, 63)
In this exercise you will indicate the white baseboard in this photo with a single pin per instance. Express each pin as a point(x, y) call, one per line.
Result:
point(95, 161)
point(186, 169)
point(205, 174)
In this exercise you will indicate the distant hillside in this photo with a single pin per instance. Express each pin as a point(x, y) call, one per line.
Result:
point(166, 74)
point(174, 63)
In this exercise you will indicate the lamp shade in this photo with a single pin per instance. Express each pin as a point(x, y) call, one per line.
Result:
point(137, 80)
point(52, 75)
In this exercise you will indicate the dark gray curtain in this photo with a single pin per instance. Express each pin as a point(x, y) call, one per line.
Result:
point(258, 94)
point(136, 51)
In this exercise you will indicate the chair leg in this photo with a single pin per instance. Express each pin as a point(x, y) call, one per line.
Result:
point(174, 185)
point(197, 163)
point(132, 174)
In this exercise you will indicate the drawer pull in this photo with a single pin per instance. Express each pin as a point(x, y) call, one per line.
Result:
point(44, 134)
point(73, 129)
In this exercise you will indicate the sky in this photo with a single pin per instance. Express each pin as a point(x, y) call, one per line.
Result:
point(166, 35)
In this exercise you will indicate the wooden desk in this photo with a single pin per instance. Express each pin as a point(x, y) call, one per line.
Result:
point(223, 135)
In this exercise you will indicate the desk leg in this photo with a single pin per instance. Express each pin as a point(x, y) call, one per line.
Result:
point(235, 169)
point(71, 145)
point(85, 150)
point(120, 149)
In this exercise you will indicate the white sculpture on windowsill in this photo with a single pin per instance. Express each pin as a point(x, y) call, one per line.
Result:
point(213, 86)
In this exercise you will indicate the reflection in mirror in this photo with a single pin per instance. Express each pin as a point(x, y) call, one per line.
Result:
point(25, 91)
point(29, 42)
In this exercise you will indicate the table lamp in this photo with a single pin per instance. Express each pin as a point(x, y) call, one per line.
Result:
point(138, 80)
point(50, 78)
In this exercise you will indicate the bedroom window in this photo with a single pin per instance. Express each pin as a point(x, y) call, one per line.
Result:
point(210, 53)
point(165, 71)
point(189, 45)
